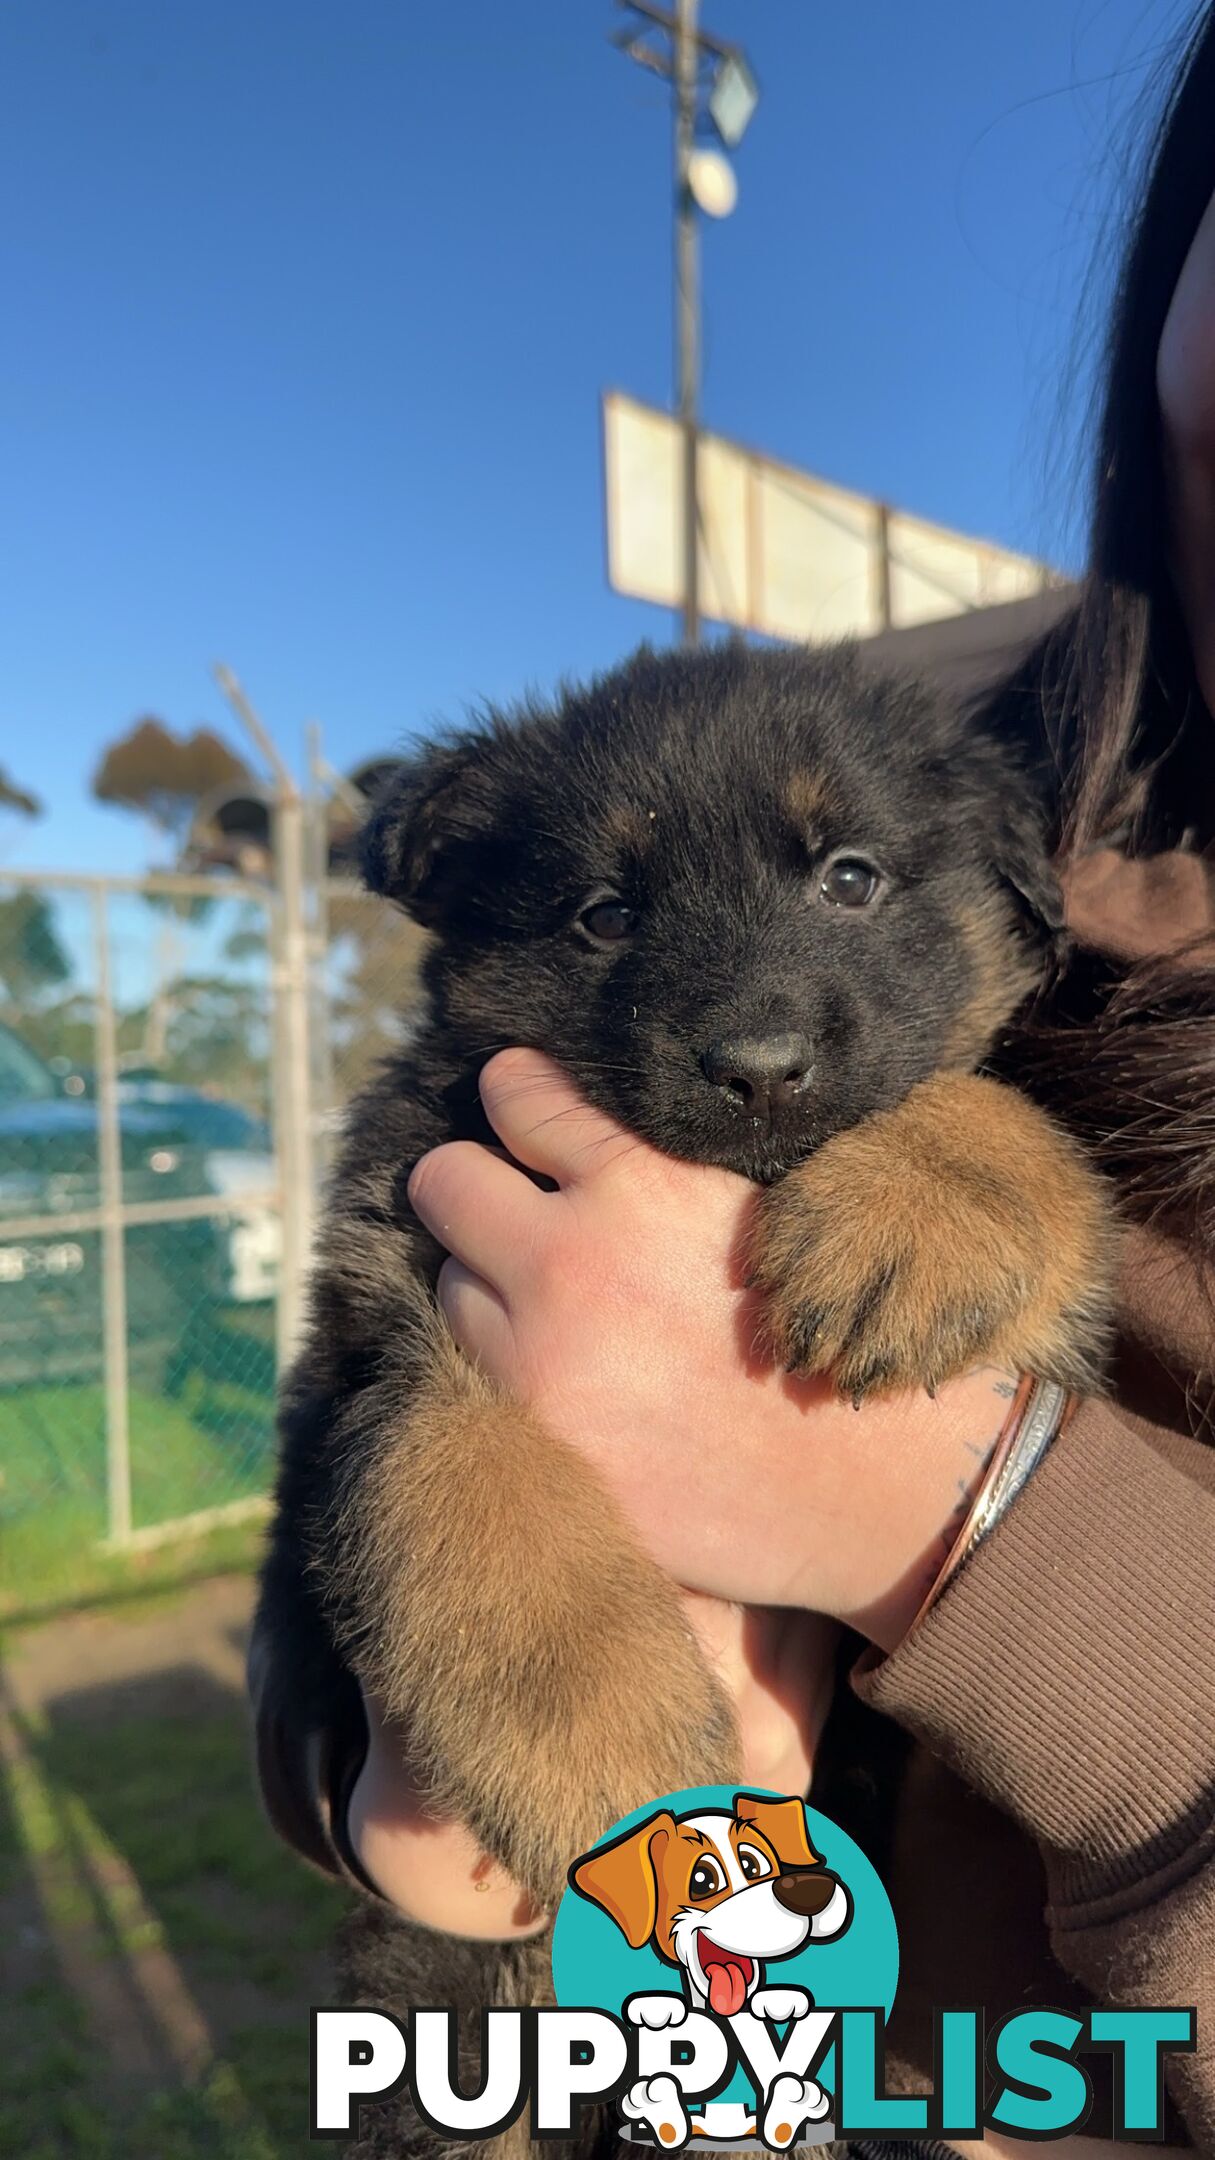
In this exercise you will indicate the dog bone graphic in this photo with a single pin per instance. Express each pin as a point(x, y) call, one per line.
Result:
point(657, 2011)
point(779, 2004)
point(657, 2101)
point(792, 2102)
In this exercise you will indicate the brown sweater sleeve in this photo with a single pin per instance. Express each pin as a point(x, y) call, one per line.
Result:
point(1068, 1675)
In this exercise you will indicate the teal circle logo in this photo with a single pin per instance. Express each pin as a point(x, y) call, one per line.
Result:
point(722, 1895)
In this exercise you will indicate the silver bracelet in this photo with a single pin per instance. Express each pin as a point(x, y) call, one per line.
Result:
point(1037, 1415)
point(1042, 1421)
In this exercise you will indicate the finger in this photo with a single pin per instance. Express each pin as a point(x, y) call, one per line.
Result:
point(478, 1320)
point(482, 1210)
point(539, 1115)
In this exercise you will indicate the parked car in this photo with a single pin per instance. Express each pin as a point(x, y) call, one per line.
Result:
point(238, 1161)
point(180, 1275)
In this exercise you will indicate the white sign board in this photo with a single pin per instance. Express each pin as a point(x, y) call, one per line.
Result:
point(782, 552)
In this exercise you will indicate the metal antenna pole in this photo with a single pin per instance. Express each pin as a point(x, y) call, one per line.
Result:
point(687, 306)
point(731, 102)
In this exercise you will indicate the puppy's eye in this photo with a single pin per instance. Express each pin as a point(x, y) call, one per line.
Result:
point(609, 921)
point(849, 882)
point(706, 1879)
point(755, 1865)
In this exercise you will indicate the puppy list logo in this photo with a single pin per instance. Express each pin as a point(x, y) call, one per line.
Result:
point(724, 1963)
point(713, 1925)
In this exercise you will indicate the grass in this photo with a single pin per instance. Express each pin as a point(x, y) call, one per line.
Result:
point(207, 1443)
point(136, 1869)
point(129, 1830)
point(126, 1585)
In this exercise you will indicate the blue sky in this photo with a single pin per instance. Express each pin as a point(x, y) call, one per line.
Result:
point(308, 307)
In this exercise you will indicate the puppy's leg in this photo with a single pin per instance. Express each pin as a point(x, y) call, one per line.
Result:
point(488, 1592)
point(960, 1228)
point(384, 1961)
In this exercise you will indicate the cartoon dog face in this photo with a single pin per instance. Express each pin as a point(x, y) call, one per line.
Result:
point(717, 1893)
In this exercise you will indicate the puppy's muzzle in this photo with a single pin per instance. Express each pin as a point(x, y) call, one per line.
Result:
point(806, 1891)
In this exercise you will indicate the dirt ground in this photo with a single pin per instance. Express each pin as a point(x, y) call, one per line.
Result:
point(158, 1950)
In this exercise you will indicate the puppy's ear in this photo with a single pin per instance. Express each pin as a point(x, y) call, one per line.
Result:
point(1023, 863)
point(413, 823)
point(1006, 804)
point(623, 1877)
point(783, 1823)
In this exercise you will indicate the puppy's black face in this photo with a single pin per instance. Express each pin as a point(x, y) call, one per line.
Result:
point(745, 898)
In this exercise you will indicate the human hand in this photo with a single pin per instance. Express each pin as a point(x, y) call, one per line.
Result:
point(779, 1667)
point(615, 1308)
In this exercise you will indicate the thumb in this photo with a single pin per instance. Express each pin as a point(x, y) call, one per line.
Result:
point(540, 1117)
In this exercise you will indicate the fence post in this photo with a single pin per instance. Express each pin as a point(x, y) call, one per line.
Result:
point(318, 879)
point(113, 1241)
point(292, 991)
point(294, 987)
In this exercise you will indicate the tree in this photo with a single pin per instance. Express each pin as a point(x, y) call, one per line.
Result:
point(216, 1035)
point(163, 777)
point(372, 981)
point(32, 958)
point(13, 797)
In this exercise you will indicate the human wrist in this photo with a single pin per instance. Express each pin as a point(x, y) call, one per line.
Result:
point(429, 1868)
point(1037, 1415)
point(935, 1466)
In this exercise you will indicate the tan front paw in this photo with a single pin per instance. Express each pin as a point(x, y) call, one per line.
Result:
point(958, 1229)
point(882, 1306)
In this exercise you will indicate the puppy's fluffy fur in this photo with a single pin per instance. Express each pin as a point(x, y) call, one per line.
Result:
point(639, 879)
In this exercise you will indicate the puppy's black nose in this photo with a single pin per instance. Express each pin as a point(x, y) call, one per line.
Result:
point(763, 1073)
point(805, 1890)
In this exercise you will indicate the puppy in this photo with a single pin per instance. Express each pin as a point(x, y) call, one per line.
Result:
point(770, 913)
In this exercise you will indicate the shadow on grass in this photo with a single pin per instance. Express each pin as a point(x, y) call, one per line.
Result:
point(161, 1948)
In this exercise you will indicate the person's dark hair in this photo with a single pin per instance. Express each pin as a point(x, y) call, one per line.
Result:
point(1110, 699)
point(1111, 692)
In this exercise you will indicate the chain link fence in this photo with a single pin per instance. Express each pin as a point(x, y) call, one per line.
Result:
point(175, 1055)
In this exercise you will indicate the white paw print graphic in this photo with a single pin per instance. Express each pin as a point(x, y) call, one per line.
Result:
point(792, 2102)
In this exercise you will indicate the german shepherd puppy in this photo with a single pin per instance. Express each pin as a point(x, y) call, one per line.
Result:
point(771, 913)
